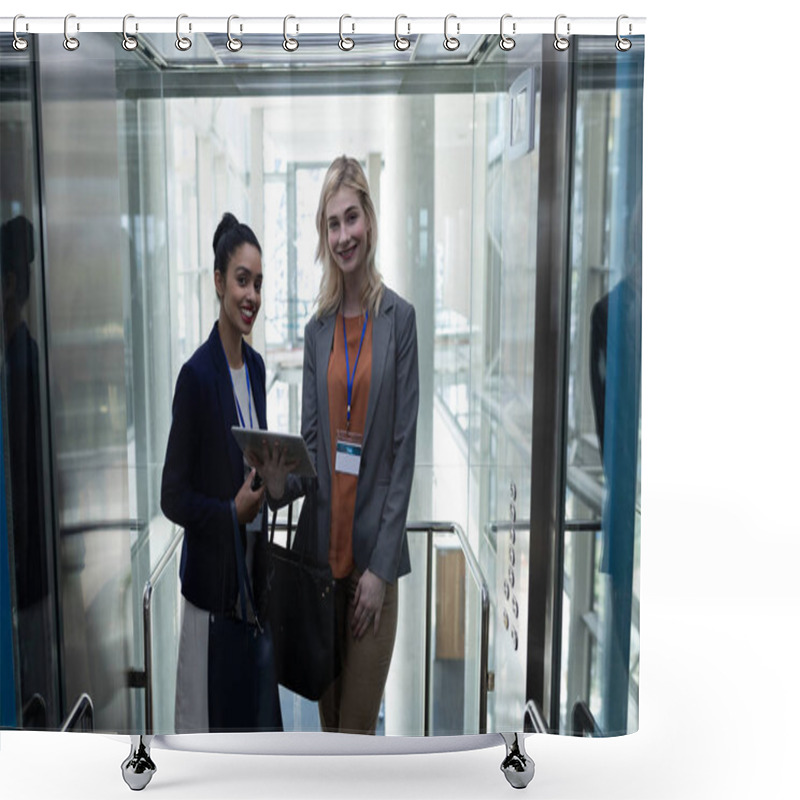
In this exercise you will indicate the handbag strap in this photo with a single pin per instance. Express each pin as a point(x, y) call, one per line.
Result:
point(308, 549)
point(272, 526)
point(244, 580)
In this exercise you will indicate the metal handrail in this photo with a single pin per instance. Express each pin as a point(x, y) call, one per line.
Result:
point(82, 710)
point(453, 527)
point(34, 712)
point(147, 596)
point(102, 525)
point(507, 525)
point(537, 720)
point(575, 525)
point(583, 721)
point(583, 525)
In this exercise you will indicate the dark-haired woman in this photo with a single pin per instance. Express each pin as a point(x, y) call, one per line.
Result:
point(205, 477)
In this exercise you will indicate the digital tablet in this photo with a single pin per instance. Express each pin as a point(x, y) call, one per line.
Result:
point(294, 446)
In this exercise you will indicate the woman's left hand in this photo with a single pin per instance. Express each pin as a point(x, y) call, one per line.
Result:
point(368, 602)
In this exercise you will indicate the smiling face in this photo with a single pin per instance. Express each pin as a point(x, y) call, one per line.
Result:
point(347, 231)
point(239, 290)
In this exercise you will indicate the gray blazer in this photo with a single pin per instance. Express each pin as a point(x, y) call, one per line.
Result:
point(389, 445)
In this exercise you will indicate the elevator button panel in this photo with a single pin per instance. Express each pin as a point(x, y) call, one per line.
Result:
point(511, 606)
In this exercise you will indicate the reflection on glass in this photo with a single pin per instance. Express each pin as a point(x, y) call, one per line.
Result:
point(26, 638)
point(20, 373)
point(599, 688)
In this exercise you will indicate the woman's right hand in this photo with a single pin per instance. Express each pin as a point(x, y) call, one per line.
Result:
point(273, 468)
point(248, 502)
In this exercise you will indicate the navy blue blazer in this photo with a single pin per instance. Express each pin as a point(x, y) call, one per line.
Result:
point(203, 470)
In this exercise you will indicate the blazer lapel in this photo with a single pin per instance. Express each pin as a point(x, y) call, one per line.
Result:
point(226, 403)
point(381, 336)
point(260, 401)
point(323, 354)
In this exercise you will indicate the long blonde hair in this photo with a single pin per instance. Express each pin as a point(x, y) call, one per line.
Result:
point(346, 172)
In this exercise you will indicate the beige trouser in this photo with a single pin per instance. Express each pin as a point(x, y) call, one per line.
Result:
point(351, 704)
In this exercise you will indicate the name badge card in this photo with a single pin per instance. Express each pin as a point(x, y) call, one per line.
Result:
point(348, 452)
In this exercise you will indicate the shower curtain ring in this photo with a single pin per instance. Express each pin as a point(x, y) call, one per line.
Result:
point(561, 43)
point(400, 42)
point(19, 43)
point(70, 42)
point(182, 42)
point(289, 44)
point(344, 42)
point(507, 42)
point(451, 43)
point(233, 44)
point(128, 42)
point(623, 45)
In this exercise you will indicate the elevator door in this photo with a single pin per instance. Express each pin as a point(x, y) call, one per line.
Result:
point(107, 349)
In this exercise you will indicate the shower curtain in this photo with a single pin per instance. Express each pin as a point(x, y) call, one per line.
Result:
point(506, 174)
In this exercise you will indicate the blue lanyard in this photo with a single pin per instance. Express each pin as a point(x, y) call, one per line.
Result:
point(351, 379)
point(236, 399)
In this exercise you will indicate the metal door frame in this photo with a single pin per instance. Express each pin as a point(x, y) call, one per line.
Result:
point(548, 478)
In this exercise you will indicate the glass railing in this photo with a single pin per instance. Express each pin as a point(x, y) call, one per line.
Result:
point(453, 686)
point(456, 674)
point(161, 636)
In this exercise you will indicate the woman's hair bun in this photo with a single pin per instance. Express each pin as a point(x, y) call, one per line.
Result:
point(227, 223)
point(229, 236)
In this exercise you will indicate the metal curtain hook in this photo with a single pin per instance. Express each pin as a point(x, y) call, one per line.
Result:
point(400, 42)
point(182, 42)
point(289, 44)
point(70, 42)
point(19, 43)
point(233, 44)
point(128, 42)
point(623, 45)
point(561, 43)
point(344, 42)
point(451, 42)
point(506, 42)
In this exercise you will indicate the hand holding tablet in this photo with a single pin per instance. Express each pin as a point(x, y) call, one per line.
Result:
point(291, 449)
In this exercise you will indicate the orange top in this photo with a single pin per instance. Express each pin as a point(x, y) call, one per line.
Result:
point(343, 486)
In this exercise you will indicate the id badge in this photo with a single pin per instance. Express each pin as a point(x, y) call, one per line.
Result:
point(348, 452)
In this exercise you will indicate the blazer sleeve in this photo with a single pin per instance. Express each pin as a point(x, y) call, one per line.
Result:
point(309, 423)
point(181, 499)
point(385, 558)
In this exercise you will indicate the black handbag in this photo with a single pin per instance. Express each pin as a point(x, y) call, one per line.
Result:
point(299, 600)
point(242, 683)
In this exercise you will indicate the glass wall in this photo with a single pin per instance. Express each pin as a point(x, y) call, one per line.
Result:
point(83, 140)
point(502, 363)
point(29, 683)
point(599, 688)
point(150, 319)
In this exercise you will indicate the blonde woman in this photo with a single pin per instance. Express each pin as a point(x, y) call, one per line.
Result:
point(360, 400)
